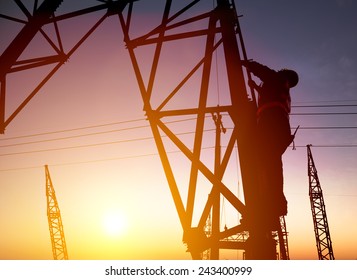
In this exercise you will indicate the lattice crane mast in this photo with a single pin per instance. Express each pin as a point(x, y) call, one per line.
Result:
point(318, 209)
point(58, 241)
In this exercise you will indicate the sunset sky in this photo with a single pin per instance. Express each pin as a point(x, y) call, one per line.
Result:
point(88, 125)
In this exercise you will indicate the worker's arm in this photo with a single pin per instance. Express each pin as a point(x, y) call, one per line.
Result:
point(253, 85)
point(261, 71)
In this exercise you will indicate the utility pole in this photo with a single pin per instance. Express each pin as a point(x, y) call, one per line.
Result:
point(58, 241)
point(322, 232)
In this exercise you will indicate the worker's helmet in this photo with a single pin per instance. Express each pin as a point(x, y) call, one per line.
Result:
point(291, 76)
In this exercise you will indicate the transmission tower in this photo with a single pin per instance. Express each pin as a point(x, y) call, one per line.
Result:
point(216, 29)
point(59, 248)
point(322, 232)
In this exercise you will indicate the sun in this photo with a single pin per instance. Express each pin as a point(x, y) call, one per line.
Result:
point(114, 223)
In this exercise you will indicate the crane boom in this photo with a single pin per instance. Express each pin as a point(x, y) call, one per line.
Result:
point(58, 241)
point(322, 232)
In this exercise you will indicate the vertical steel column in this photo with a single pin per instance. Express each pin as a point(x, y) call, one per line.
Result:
point(259, 246)
point(244, 117)
point(2, 104)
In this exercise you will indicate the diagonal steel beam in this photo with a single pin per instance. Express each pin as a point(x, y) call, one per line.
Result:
point(28, 32)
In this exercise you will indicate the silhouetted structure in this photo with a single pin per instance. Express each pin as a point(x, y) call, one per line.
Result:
point(59, 248)
point(274, 136)
point(283, 240)
point(215, 30)
point(318, 209)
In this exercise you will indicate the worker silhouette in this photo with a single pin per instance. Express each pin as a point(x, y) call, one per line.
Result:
point(273, 137)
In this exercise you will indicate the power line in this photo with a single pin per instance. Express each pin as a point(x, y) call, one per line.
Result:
point(151, 155)
point(94, 144)
point(71, 129)
point(121, 141)
point(131, 140)
point(83, 135)
point(322, 114)
point(326, 127)
point(74, 136)
point(136, 120)
point(324, 106)
point(95, 160)
point(339, 101)
point(82, 162)
point(329, 146)
point(130, 128)
point(138, 127)
point(76, 147)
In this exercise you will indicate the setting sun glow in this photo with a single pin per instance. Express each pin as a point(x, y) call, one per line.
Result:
point(129, 124)
point(114, 223)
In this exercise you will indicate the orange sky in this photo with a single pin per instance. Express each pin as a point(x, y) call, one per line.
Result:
point(97, 86)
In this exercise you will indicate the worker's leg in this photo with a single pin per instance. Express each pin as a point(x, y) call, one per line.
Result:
point(275, 196)
point(273, 138)
point(272, 200)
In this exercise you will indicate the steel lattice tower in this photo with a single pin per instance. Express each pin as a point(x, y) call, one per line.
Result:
point(58, 241)
point(216, 32)
point(322, 232)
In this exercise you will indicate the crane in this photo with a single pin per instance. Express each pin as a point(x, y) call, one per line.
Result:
point(217, 29)
point(58, 241)
point(318, 209)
